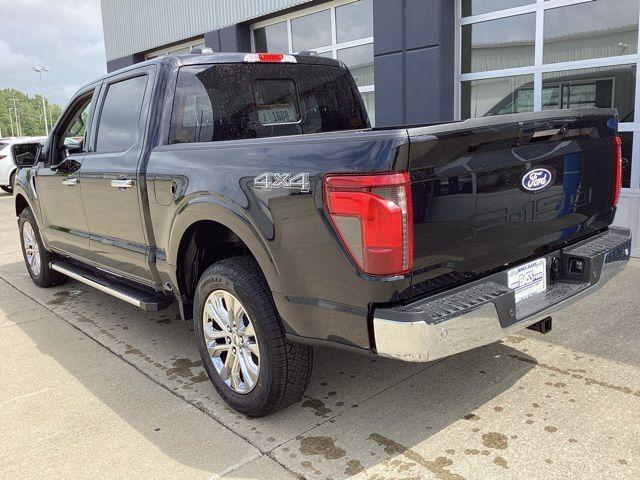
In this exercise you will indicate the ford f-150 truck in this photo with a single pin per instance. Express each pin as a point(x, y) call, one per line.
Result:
point(251, 190)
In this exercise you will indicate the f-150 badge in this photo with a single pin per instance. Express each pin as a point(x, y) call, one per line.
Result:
point(537, 179)
point(271, 180)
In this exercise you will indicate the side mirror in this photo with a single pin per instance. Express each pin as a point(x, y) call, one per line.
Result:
point(26, 154)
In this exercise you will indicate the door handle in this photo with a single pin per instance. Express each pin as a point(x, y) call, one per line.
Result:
point(70, 181)
point(122, 183)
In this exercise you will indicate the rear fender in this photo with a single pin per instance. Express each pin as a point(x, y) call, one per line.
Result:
point(211, 208)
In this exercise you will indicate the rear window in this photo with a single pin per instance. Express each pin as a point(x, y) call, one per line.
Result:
point(239, 101)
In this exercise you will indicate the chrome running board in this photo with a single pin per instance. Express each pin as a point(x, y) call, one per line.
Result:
point(142, 299)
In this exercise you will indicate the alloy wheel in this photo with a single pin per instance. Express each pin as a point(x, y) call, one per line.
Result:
point(31, 249)
point(231, 341)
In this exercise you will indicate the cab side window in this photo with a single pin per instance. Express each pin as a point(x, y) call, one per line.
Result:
point(71, 137)
point(120, 116)
point(75, 133)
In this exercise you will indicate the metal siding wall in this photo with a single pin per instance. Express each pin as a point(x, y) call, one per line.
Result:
point(414, 61)
point(132, 26)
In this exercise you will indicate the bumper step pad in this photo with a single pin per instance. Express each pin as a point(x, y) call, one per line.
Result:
point(442, 308)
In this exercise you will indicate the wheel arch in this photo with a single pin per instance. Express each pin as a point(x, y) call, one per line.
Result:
point(204, 233)
point(20, 203)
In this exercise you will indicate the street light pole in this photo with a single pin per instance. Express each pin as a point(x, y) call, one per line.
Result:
point(40, 69)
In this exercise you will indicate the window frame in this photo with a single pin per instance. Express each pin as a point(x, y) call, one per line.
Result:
point(333, 47)
point(539, 7)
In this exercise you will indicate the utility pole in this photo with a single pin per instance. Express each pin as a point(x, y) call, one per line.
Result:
point(11, 121)
point(40, 69)
point(15, 110)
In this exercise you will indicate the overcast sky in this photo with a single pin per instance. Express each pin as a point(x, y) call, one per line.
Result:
point(65, 35)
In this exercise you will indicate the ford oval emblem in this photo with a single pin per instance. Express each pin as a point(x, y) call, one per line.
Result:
point(536, 179)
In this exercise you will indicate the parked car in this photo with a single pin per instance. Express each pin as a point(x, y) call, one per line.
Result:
point(251, 190)
point(7, 167)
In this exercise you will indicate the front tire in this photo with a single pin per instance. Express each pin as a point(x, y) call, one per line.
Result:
point(242, 342)
point(36, 257)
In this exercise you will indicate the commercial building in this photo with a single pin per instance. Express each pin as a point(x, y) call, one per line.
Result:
point(418, 61)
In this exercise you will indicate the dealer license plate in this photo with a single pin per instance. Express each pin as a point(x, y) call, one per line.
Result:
point(528, 279)
point(275, 114)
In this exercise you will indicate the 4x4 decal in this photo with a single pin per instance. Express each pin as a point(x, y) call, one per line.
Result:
point(270, 180)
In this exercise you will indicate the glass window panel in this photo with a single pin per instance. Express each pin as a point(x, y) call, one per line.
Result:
point(273, 38)
point(180, 51)
point(240, 101)
point(76, 130)
point(369, 99)
point(476, 7)
point(498, 44)
point(603, 87)
point(360, 62)
point(328, 54)
point(497, 96)
point(311, 31)
point(354, 21)
point(604, 28)
point(118, 127)
point(627, 154)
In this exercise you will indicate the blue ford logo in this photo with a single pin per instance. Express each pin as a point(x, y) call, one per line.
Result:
point(536, 179)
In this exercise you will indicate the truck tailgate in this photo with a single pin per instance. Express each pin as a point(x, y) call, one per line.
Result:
point(492, 192)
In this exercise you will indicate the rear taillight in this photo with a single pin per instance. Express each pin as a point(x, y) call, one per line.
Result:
point(372, 216)
point(617, 170)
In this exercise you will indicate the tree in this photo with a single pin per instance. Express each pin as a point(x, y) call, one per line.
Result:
point(29, 111)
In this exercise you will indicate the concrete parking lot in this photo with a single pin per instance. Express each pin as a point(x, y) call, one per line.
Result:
point(94, 388)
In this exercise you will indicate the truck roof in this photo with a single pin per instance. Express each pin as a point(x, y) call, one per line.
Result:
point(177, 61)
point(222, 57)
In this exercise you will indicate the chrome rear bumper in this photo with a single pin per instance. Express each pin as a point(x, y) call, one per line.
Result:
point(485, 311)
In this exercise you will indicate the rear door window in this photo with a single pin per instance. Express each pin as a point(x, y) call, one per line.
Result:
point(240, 101)
point(118, 125)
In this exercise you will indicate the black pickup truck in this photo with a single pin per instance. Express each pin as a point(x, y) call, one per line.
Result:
point(251, 190)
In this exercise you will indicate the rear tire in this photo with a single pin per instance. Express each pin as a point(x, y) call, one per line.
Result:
point(36, 257)
point(258, 340)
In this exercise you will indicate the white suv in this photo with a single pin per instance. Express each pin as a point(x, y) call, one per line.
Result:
point(7, 166)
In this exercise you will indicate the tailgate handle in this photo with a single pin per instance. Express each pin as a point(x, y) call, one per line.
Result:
point(547, 133)
point(550, 132)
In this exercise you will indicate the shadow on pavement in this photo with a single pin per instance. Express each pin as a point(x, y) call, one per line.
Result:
point(363, 403)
